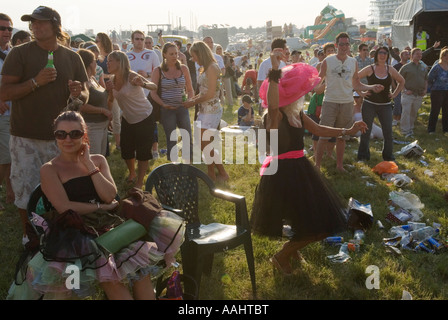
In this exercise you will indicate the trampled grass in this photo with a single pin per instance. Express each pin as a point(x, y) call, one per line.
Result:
point(424, 275)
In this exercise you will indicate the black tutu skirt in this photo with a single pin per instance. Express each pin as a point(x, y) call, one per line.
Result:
point(299, 196)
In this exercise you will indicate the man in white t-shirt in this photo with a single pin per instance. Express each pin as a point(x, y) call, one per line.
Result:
point(144, 61)
point(266, 65)
point(340, 73)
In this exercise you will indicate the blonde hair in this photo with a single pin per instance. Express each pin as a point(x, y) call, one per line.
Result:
point(293, 112)
point(124, 64)
point(443, 53)
point(204, 54)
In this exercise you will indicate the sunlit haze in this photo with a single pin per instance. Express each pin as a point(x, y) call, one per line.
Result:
point(104, 16)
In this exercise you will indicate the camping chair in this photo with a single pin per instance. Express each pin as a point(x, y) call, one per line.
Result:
point(177, 186)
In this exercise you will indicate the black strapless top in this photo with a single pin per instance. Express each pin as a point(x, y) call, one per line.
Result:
point(81, 189)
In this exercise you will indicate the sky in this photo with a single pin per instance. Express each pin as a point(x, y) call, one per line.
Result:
point(105, 16)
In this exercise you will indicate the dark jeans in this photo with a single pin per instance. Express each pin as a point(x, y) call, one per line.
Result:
point(384, 113)
point(439, 100)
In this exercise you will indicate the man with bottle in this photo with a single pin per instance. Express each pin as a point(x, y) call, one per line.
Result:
point(38, 94)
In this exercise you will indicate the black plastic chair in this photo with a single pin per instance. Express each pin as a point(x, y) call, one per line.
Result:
point(177, 186)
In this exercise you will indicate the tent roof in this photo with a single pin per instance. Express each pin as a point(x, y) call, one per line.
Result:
point(406, 12)
point(83, 37)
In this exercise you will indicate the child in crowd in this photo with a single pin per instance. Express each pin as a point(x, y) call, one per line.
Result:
point(246, 112)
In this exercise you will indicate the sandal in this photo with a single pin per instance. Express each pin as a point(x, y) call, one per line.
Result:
point(275, 263)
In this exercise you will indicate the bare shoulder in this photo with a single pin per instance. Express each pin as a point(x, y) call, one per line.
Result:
point(98, 159)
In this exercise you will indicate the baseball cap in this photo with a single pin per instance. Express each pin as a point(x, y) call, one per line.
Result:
point(247, 98)
point(43, 13)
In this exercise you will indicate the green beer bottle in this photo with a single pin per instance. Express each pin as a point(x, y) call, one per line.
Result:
point(50, 62)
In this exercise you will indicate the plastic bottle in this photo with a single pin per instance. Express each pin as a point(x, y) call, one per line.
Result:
point(359, 236)
point(416, 225)
point(344, 248)
point(50, 62)
point(423, 233)
point(184, 97)
point(400, 230)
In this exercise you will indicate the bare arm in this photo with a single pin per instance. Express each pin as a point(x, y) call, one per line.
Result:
point(324, 131)
point(213, 72)
point(54, 190)
point(399, 80)
point(188, 82)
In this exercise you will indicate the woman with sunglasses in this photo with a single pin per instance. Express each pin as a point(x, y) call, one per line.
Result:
point(80, 187)
point(379, 103)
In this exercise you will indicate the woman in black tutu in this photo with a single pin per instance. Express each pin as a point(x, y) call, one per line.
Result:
point(295, 192)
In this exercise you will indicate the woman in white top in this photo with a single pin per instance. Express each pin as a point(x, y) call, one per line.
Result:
point(210, 109)
point(137, 127)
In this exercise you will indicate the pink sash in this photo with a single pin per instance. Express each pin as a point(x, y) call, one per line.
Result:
point(289, 155)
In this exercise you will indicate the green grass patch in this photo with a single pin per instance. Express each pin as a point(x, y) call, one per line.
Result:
point(425, 276)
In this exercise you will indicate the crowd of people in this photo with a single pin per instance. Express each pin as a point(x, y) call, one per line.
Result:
point(92, 89)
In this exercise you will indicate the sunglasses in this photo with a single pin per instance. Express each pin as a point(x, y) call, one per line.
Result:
point(74, 134)
point(3, 28)
point(140, 39)
point(382, 52)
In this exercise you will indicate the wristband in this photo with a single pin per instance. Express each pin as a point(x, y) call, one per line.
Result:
point(34, 84)
point(93, 172)
point(275, 75)
point(98, 205)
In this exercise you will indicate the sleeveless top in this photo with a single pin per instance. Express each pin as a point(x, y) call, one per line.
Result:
point(339, 86)
point(289, 138)
point(383, 96)
point(81, 189)
point(97, 98)
point(212, 106)
point(133, 102)
point(172, 90)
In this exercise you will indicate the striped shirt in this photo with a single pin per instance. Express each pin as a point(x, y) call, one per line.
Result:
point(172, 90)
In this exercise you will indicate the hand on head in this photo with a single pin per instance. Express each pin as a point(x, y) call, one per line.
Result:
point(277, 55)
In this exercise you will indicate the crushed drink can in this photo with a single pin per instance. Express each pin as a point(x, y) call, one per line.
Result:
point(435, 244)
point(334, 240)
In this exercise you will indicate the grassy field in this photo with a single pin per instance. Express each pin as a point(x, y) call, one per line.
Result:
point(424, 275)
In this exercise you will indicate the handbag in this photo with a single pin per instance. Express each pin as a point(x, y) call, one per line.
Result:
point(155, 106)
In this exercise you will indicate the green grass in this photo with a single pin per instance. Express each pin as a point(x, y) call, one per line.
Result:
point(425, 276)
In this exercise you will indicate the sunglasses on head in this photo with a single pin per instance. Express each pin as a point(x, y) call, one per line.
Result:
point(3, 28)
point(74, 134)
